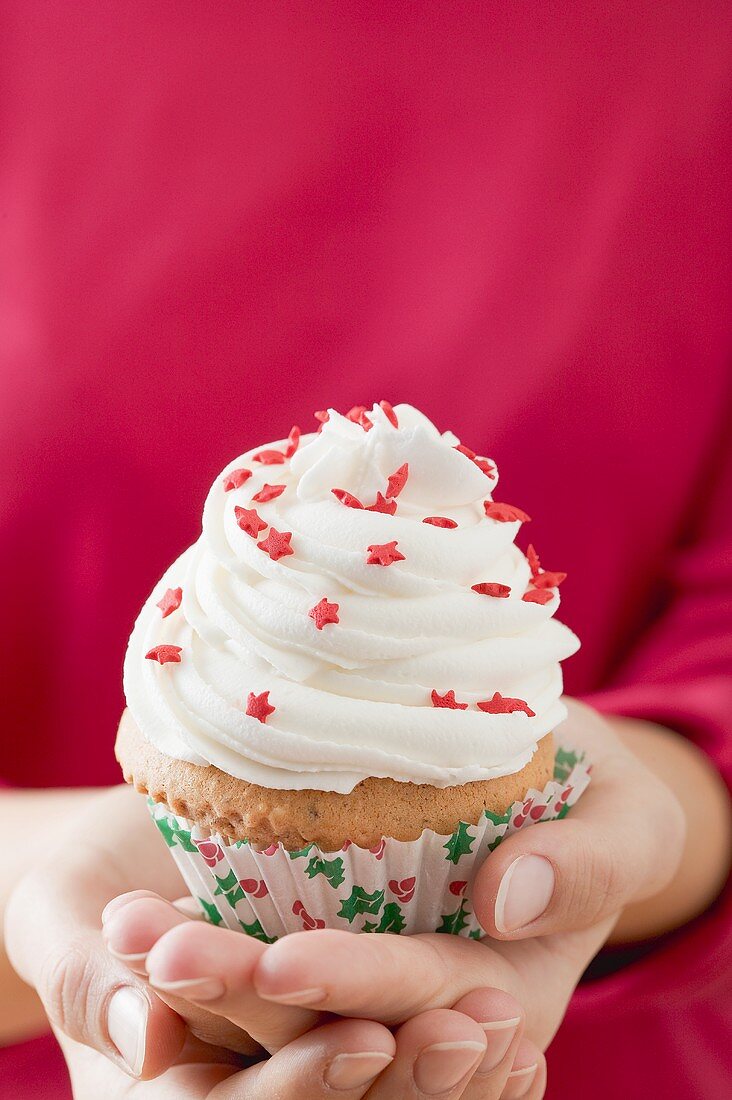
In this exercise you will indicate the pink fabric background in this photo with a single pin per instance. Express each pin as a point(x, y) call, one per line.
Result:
point(218, 219)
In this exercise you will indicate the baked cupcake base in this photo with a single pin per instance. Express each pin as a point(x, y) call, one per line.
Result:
point(237, 810)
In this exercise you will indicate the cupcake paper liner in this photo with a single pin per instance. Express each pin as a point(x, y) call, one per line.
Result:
point(422, 885)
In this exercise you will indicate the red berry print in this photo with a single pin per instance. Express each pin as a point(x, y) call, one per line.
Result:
point(248, 521)
point(403, 890)
point(308, 923)
point(254, 886)
point(164, 654)
point(383, 554)
point(324, 613)
point(258, 706)
point(211, 852)
point(391, 416)
point(397, 481)
point(170, 601)
point(458, 888)
point(277, 544)
point(447, 700)
point(500, 704)
point(505, 513)
point(440, 521)
point(378, 849)
point(489, 588)
point(235, 479)
point(346, 498)
point(268, 492)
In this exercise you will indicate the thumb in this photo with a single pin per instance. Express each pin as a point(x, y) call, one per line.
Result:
point(86, 993)
point(622, 842)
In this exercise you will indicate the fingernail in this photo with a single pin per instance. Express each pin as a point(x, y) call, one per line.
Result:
point(525, 891)
point(127, 1017)
point(297, 997)
point(443, 1065)
point(499, 1035)
point(196, 989)
point(352, 1071)
point(519, 1082)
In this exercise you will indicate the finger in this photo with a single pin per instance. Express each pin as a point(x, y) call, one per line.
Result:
point(212, 968)
point(527, 1079)
point(502, 1020)
point(389, 978)
point(573, 873)
point(437, 1053)
point(131, 932)
point(338, 1061)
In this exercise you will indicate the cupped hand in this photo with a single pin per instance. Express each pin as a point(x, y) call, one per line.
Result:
point(548, 896)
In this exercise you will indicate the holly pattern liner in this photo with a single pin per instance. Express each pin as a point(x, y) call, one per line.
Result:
point(422, 885)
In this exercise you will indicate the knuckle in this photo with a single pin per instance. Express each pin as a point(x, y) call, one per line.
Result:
point(68, 989)
point(597, 885)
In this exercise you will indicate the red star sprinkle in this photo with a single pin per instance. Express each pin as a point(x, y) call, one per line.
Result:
point(358, 415)
point(389, 413)
point(548, 580)
point(170, 601)
point(465, 451)
point(293, 441)
point(323, 416)
point(324, 613)
point(383, 554)
point(164, 654)
point(277, 544)
point(500, 704)
point(397, 481)
point(268, 492)
point(504, 513)
point(258, 706)
point(538, 595)
point(381, 504)
point(447, 700)
point(488, 588)
point(346, 498)
point(533, 559)
point(440, 521)
point(248, 520)
point(235, 478)
point(484, 465)
point(269, 458)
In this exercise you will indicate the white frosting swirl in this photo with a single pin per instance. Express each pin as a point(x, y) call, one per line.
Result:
point(353, 699)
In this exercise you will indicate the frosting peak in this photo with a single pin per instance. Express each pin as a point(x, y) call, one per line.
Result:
point(347, 612)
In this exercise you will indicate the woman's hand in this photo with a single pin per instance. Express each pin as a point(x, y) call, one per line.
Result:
point(548, 896)
point(112, 1024)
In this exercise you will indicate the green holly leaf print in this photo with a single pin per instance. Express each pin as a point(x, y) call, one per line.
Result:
point(369, 926)
point(212, 914)
point(391, 919)
point(498, 819)
point(255, 929)
point(564, 761)
point(332, 869)
point(453, 923)
point(230, 888)
point(460, 843)
point(173, 834)
point(301, 851)
point(361, 902)
point(476, 934)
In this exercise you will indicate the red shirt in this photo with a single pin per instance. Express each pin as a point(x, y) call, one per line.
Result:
point(217, 220)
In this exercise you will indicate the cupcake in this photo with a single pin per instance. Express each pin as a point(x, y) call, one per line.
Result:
point(343, 695)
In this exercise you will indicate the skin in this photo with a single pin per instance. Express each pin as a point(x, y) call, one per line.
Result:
point(628, 859)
